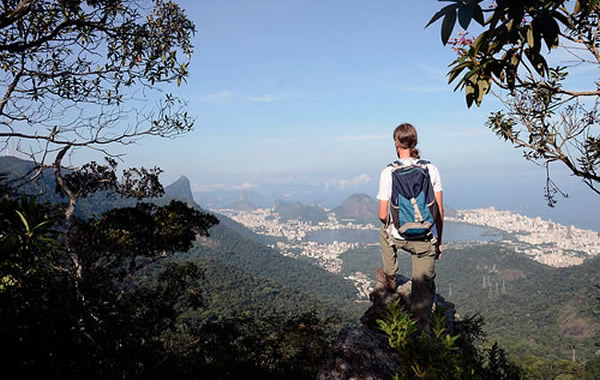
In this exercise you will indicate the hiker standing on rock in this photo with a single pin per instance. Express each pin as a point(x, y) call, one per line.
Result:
point(411, 209)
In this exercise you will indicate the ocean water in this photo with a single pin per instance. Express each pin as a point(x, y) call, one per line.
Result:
point(452, 232)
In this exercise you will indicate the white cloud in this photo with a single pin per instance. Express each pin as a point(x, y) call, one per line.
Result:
point(345, 183)
point(427, 89)
point(219, 98)
point(270, 98)
point(264, 98)
point(361, 137)
point(206, 187)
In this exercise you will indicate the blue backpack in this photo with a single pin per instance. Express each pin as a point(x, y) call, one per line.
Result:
point(412, 195)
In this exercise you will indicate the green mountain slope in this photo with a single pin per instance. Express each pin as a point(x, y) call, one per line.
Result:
point(231, 292)
point(230, 243)
point(253, 257)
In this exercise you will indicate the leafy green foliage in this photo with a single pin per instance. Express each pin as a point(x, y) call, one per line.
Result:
point(442, 355)
point(141, 308)
point(546, 119)
point(230, 292)
point(397, 325)
point(513, 31)
point(91, 178)
point(145, 229)
point(104, 323)
point(543, 310)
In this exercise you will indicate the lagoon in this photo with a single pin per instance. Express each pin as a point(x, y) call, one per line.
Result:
point(458, 232)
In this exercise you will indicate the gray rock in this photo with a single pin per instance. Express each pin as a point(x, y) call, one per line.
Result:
point(362, 354)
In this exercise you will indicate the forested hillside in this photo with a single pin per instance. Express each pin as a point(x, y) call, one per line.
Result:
point(251, 256)
point(259, 313)
point(229, 242)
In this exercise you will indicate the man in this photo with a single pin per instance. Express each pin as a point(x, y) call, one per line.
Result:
point(424, 249)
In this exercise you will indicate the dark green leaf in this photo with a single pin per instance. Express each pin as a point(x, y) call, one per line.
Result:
point(455, 72)
point(477, 44)
point(537, 61)
point(448, 25)
point(465, 79)
point(441, 13)
point(551, 31)
point(563, 19)
point(478, 14)
point(470, 95)
point(465, 14)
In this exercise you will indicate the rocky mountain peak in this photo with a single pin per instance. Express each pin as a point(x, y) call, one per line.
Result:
point(180, 189)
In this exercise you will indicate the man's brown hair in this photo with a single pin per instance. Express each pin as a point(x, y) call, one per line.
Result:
point(405, 137)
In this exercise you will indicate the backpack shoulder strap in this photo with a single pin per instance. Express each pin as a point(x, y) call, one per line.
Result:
point(423, 164)
point(399, 165)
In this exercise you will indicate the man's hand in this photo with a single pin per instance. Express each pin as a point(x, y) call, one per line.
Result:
point(438, 251)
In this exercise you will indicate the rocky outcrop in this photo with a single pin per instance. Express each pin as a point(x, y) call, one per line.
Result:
point(180, 190)
point(363, 353)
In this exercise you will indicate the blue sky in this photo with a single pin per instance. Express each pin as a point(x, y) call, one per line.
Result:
point(300, 98)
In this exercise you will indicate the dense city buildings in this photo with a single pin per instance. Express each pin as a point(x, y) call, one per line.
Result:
point(544, 241)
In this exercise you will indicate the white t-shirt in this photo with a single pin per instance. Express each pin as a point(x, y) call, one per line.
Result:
point(385, 185)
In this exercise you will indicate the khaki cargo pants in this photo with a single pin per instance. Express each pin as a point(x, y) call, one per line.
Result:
point(423, 254)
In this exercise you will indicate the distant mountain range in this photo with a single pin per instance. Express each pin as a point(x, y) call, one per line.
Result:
point(357, 208)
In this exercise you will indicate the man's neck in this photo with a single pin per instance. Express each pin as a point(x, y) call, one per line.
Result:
point(403, 153)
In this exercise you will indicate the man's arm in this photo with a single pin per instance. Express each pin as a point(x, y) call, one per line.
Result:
point(383, 211)
point(439, 217)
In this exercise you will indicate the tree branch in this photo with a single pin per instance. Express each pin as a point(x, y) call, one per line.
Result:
point(11, 87)
point(9, 17)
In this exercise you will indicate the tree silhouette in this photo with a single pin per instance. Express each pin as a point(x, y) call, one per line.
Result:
point(543, 116)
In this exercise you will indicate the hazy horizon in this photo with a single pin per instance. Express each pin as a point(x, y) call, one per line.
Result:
point(575, 210)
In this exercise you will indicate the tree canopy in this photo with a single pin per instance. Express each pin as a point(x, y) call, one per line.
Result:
point(78, 73)
point(510, 55)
